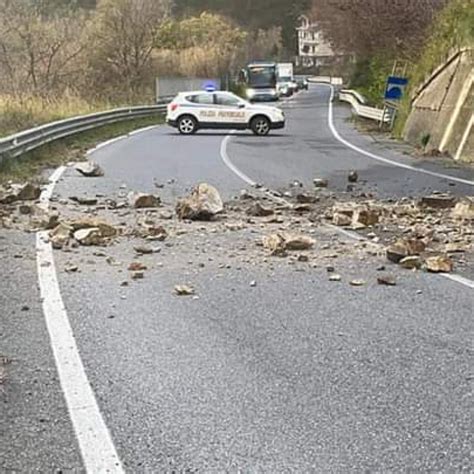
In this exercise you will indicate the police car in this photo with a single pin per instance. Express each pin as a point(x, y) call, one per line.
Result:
point(192, 111)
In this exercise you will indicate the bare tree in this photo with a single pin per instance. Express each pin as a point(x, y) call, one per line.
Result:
point(38, 56)
point(122, 38)
point(366, 27)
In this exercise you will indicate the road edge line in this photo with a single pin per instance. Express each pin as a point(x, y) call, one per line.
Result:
point(373, 156)
point(95, 443)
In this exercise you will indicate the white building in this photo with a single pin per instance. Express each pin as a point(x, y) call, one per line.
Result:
point(313, 49)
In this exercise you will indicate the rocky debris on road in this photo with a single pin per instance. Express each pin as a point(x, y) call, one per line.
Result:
point(203, 204)
point(184, 290)
point(89, 169)
point(19, 192)
point(439, 264)
point(257, 210)
point(143, 200)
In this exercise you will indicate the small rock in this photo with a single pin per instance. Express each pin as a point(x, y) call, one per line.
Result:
point(357, 283)
point(89, 169)
point(320, 183)
point(143, 201)
point(88, 237)
point(71, 268)
point(304, 198)
point(253, 284)
point(25, 209)
point(439, 264)
point(341, 220)
point(303, 258)
point(84, 201)
point(296, 184)
point(405, 248)
point(184, 290)
point(60, 235)
point(137, 267)
point(438, 201)
point(411, 263)
point(143, 250)
point(335, 277)
point(138, 276)
point(464, 210)
point(245, 195)
point(257, 210)
point(353, 177)
point(25, 308)
point(387, 280)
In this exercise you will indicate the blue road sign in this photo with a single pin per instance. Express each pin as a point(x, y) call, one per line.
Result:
point(395, 87)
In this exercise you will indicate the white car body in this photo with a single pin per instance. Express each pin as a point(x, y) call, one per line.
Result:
point(191, 111)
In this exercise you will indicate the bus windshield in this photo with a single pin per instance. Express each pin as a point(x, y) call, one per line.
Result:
point(262, 76)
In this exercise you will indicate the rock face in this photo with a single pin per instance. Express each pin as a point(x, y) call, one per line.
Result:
point(203, 204)
point(143, 201)
point(439, 264)
point(89, 169)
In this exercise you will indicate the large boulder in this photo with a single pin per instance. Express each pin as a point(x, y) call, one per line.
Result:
point(439, 264)
point(203, 204)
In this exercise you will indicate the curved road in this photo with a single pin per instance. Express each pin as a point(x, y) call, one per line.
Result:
point(295, 374)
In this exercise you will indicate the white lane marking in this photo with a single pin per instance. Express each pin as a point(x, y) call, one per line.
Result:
point(48, 190)
point(104, 144)
point(141, 130)
point(345, 142)
point(352, 235)
point(97, 449)
point(230, 165)
point(121, 137)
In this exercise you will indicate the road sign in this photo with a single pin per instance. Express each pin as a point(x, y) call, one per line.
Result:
point(395, 87)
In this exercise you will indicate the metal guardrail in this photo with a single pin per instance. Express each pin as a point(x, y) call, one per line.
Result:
point(335, 81)
point(28, 140)
point(358, 105)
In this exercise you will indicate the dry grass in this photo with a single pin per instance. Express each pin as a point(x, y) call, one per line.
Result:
point(21, 113)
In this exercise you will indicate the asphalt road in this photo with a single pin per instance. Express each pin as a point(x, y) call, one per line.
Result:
point(292, 374)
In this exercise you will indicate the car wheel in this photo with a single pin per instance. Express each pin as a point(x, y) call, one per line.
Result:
point(260, 126)
point(187, 125)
